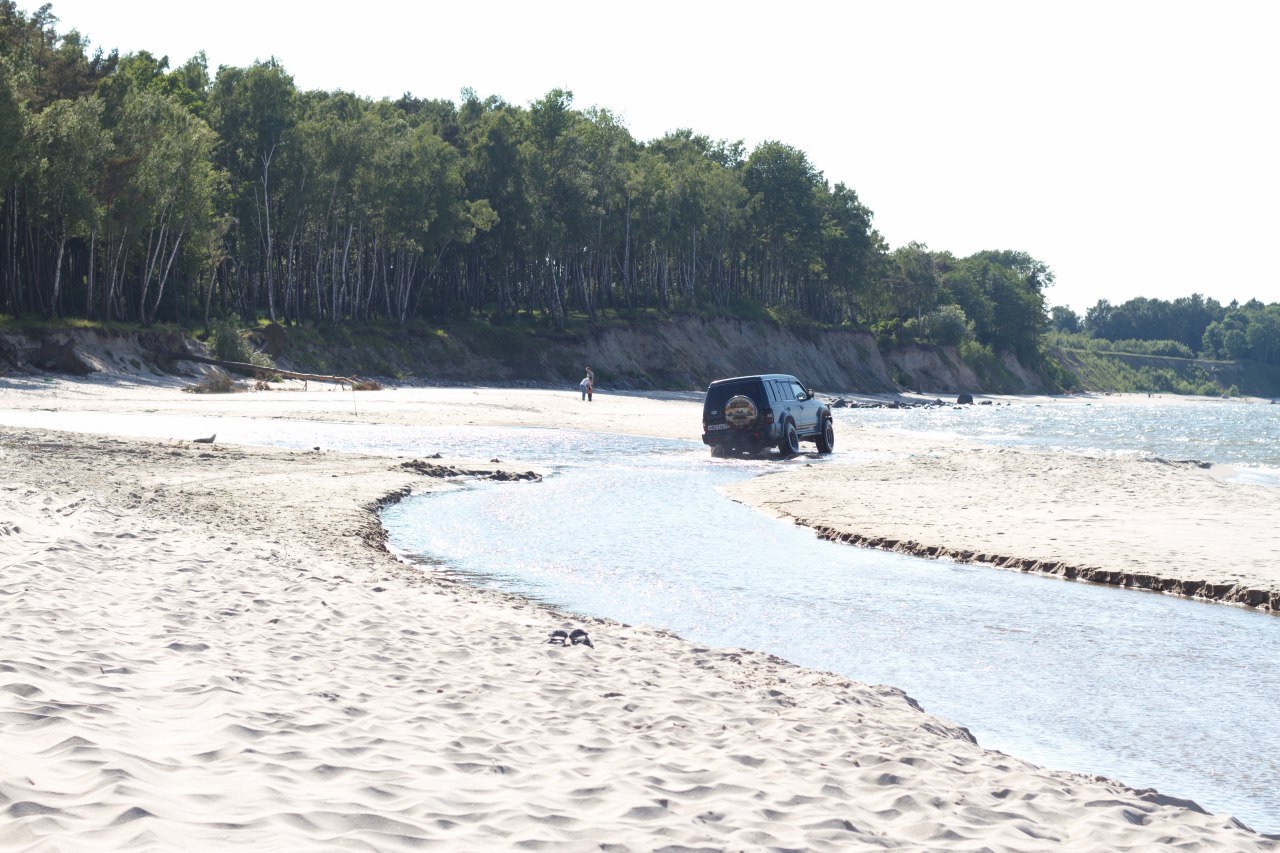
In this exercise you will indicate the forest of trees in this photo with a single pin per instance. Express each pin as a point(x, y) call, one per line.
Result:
point(138, 192)
point(1185, 327)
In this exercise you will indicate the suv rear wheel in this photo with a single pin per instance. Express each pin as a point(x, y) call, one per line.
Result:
point(826, 438)
point(789, 445)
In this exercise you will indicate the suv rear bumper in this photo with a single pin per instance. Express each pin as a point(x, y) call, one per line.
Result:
point(753, 440)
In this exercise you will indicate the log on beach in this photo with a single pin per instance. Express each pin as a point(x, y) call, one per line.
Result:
point(257, 370)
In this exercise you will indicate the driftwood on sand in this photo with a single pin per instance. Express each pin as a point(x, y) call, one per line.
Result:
point(256, 370)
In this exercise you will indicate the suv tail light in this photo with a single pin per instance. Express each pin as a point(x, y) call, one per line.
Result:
point(766, 417)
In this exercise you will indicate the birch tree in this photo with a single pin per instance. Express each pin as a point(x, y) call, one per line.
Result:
point(71, 151)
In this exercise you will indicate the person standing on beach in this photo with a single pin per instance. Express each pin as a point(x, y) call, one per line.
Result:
point(590, 381)
point(585, 386)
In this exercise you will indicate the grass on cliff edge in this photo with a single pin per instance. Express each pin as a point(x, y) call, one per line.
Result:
point(41, 325)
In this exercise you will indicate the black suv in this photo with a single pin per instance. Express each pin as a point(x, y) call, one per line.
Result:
point(749, 414)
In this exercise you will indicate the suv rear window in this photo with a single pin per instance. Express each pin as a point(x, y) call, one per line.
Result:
point(718, 395)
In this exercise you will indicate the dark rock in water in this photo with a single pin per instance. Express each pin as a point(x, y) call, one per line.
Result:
point(1186, 463)
point(844, 403)
point(511, 476)
point(984, 402)
point(965, 400)
point(427, 469)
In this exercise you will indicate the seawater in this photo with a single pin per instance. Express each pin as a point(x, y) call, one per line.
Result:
point(1147, 689)
point(1245, 435)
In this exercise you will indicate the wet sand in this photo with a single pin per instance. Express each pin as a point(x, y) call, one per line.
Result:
point(1150, 524)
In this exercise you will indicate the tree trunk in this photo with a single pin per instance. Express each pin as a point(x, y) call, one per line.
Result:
point(266, 204)
point(57, 274)
point(164, 278)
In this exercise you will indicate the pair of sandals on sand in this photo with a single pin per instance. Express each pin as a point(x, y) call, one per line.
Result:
point(576, 637)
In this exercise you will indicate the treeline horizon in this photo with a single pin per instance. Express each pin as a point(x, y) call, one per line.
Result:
point(141, 193)
point(1187, 327)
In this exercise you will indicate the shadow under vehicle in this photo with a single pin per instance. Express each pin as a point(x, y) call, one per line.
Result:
point(751, 414)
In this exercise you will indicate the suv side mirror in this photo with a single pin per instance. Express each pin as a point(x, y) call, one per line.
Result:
point(808, 393)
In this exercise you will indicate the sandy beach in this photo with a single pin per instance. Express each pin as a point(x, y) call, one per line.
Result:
point(209, 646)
point(1141, 523)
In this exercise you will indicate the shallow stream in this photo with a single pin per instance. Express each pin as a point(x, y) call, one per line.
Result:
point(1151, 690)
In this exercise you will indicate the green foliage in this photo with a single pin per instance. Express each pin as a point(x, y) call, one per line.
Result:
point(978, 356)
point(148, 194)
point(1066, 340)
point(1097, 369)
point(229, 344)
point(12, 128)
point(1057, 375)
point(1249, 331)
point(1063, 319)
point(1120, 377)
point(947, 325)
point(37, 325)
point(328, 207)
point(796, 321)
point(889, 334)
point(226, 342)
point(1184, 320)
point(1002, 294)
point(518, 344)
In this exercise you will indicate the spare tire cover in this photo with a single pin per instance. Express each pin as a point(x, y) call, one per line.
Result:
point(740, 412)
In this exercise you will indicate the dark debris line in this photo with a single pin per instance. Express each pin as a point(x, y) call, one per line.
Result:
point(430, 469)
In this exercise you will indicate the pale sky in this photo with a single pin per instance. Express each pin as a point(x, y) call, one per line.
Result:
point(1134, 147)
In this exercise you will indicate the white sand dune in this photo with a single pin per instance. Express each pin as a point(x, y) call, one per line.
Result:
point(207, 647)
